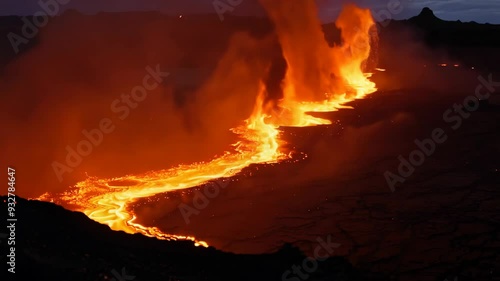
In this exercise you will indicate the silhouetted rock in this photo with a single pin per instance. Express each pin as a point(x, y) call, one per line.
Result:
point(56, 244)
point(427, 14)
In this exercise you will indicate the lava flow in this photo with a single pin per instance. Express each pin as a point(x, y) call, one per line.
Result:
point(319, 78)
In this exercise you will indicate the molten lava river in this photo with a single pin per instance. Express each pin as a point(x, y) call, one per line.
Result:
point(319, 78)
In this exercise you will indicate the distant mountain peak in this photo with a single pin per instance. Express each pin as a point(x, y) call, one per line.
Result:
point(427, 13)
point(426, 16)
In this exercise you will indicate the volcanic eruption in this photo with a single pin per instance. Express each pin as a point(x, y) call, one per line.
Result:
point(318, 78)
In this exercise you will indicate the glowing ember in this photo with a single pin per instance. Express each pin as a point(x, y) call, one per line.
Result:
point(319, 79)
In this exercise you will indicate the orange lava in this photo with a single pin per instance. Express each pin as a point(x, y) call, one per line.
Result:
point(320, 78)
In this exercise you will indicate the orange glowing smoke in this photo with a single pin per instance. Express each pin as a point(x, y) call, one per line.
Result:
point(106, 200)
point(319, 78)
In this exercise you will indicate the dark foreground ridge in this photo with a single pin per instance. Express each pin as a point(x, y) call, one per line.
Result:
point(53, 243)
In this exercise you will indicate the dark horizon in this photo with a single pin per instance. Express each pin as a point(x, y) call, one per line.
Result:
point(483, 11)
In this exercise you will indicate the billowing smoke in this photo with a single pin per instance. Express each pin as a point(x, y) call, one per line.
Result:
point(304, 47)
point(76, 86)
point(316, 70)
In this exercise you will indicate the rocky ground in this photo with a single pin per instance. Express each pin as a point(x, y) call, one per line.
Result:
point(52, 243)
point(442, 222)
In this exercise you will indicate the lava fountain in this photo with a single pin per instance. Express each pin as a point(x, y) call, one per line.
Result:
point(319, 78)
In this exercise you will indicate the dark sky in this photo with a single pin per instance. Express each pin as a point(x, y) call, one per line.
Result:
point(465, 10)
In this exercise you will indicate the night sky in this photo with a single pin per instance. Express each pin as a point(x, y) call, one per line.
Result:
point(466, 10)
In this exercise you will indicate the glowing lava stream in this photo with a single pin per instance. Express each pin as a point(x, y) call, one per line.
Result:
point(107, 201)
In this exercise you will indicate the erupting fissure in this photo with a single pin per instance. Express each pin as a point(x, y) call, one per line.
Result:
point(319, 78)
